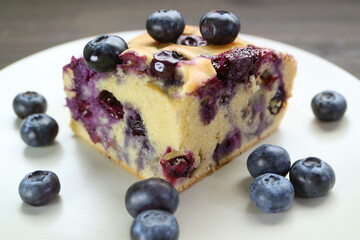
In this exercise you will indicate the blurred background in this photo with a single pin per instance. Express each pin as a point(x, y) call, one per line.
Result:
point(328, 28)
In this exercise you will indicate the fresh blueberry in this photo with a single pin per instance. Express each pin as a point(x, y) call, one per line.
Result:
point(38, 130)
point(219, 27)
point(312, 177)
point(152, 193)
point(191, 40)
point(39, 188)
point(28, 103)
point(155, 225)
point(328, 106)
point(271, 193)
point(268, 159)
point(163, 66)
point(165, 25)
point(102, 53)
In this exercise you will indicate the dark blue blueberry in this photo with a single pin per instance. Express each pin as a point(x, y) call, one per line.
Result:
point(165, 25)
point(328, 106)
point(268, 159)
point(191, 40)
point(231, 142)
point(110, 104)
point(312, 177)
point(39, 188)
point(102, 53)
point(277, 102)
point(271, 193)
point(163, 66)
point(155, 225)
point(219, 27)
point(28, 103)
point(152, 193)
point(38, 130)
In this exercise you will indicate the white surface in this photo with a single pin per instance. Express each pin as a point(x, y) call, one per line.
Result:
point(91, 203)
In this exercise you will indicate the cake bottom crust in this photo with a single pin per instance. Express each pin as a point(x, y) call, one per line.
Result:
point(79, 129)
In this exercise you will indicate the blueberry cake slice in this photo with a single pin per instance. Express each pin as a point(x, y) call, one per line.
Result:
point(179, 111)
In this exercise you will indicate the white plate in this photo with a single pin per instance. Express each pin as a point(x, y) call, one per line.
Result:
point(91, 203)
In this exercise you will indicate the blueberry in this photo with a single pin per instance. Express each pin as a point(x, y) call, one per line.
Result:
point(219, 27)
point(271, 193)
point(165, 25)
point(179, 166)
point(28, 103)
point(163, 66)
point(102, 53)
point(268, 159)
point(191, 40)
point(38, 130)
point(328, 106)
point(277, 102)
point(39, 188)
point(110, 104)
point(312, 177)
point(155, 225)
point(152, 193)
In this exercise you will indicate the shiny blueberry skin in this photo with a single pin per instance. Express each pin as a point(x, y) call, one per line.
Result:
point(38, 130)
point(163, 67)
point(155, 225)
point(165, 25)
point(219, 27)
point(28, 103)
point(191, 40)
point(268, 159)
point(312, 177)
point(102, 53)
point(152, 193)
point(39, 188)
point(271, 193)
point(328, 106)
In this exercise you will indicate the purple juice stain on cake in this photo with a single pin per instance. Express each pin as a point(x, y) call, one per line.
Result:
point(233, 68)
point(191, 40)
point(83, 107)
point(177, 167)
point(214, 94)
point(132, 62)
point(91, 107)
point(231, 142)
point(136, 137)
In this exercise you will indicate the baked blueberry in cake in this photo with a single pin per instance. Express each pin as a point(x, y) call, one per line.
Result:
point(182, 109)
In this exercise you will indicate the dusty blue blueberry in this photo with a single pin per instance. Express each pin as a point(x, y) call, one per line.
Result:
point(219, 27)
point(39, 188)
point(312, 177)
point(155, 225)
point(165, 25)
point(271, 193)
point(268, 159)
point(102, 53)
point(152, 193)
point(38, 130)
point(328, 106)
point(27, 103)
